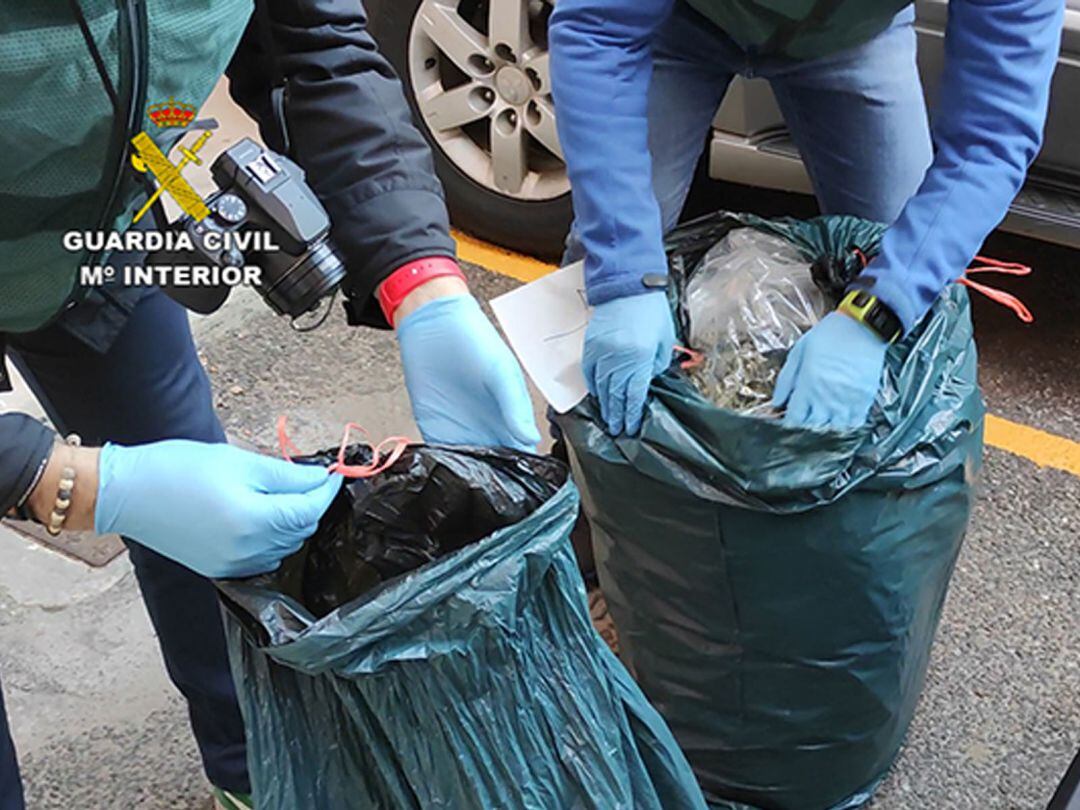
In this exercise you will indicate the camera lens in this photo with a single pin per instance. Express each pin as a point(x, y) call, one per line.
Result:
point(298, 288)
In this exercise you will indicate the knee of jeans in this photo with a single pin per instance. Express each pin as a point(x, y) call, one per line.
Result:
point(185, 410)
point(197, 419)
point(671, 202)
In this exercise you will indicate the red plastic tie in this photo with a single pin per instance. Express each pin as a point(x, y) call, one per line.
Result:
point(379, 463)
point(285, 444)
point(997, 266)
point(1006, 299)
point(988, 265)
point(693, 358)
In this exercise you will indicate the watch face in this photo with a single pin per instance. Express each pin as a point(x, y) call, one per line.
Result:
point(230, 208)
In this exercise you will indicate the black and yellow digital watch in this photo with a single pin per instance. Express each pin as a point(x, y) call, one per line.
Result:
point(868, 310)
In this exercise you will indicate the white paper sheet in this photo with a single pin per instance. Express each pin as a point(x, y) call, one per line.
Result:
point(545, 323)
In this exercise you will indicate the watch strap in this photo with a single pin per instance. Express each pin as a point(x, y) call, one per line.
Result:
point(870, 311)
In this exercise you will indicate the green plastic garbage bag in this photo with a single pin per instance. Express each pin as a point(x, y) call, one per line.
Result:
point(777, 590)
point(472, 682)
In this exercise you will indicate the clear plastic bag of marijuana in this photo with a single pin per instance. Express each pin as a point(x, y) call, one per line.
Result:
point(749, 300)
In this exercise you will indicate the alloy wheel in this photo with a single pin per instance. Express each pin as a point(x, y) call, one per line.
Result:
point(479, 71)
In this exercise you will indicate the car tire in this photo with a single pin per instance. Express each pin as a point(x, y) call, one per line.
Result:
point(535, 227)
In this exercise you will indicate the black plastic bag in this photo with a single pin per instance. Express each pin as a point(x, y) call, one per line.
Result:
point(431, 502)
point(456, 668)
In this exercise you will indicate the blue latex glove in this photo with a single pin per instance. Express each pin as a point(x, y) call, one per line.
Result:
point(463, 381)
point(219, 510)
point(832, 375)
point(627, 343)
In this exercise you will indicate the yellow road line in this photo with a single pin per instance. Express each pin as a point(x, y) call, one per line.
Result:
point(1045, 449)
point(523, 268)
point(1038, 446)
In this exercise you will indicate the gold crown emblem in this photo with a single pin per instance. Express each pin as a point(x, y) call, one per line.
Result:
point(171, 114)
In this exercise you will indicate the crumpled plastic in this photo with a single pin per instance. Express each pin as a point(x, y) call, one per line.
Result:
point(752, 297)
point(457, 668)
point(431, 502)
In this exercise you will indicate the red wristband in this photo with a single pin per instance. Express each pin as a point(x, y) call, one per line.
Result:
point(410, 276)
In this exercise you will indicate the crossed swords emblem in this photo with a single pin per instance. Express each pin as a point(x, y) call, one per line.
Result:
point(148, 157)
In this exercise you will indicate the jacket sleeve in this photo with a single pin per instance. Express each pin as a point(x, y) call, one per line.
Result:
point(999, 60)
point(351, 130)
point(25, 444)
point(601, 65)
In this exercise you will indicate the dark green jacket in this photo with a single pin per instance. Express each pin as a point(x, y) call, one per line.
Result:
point(801, 29)
point(63, 159)
point(348, 124)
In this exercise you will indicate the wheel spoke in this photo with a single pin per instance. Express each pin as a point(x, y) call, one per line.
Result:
point(508, 156)
point(454, 108)
point(540, 121)
point(508, 27)
point(461, 43)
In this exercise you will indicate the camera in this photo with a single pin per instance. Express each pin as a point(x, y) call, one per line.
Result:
point(263, 214)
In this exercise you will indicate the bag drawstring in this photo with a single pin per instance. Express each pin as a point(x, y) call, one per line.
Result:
point(993, 293)
point(693, 358)
point(379, 463)
point(996, 295)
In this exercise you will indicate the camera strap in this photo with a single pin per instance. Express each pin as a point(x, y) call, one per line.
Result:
point(273, 62)
point(95, 55)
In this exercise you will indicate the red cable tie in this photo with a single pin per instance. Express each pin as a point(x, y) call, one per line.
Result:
point(1006, 299)
point(997, 266)
point(284, 442)
point(693, 358)
point(1001, 297)
point(377, 464)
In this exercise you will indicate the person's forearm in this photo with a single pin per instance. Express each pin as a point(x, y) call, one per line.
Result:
point(351, 131)
point(601, 66)
point(42, 500)
point(25, 444)
point(427, 292)
point(1000, 58)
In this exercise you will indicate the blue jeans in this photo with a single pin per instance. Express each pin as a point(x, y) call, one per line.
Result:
point(148, 386)
point(858, 117)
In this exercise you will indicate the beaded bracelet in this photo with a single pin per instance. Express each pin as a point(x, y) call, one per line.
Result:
point(63, 492)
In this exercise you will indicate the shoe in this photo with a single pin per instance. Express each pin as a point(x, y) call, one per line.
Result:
point(224, 800)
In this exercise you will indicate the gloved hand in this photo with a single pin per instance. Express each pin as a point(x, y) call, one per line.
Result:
point(831, 375)
point(219, 510)
point(627, 343)
point(463, 381)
